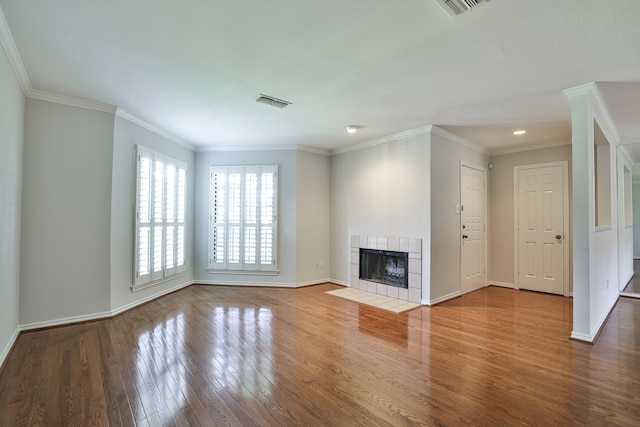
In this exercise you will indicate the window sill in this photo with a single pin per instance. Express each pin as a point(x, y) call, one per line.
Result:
point(245, 272)
point(136, 288)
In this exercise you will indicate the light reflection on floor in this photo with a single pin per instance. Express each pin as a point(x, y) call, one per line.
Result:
point(159, 365)
point(242, 350)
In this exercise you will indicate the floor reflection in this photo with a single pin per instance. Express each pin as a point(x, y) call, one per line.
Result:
point(159, 365)
point(242, 350)
point(388, 326)
point(633, 287)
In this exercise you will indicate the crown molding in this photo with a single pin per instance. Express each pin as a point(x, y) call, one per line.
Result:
point(314, 150)
point(148, 126)
point(383, 140)
point(581, 90)
point(528, 147)
point(291, 147)
point(591, 91)
point(70, 101)
point(247, 148)
point(607, 124)
point(459, 140)
point(9, 45)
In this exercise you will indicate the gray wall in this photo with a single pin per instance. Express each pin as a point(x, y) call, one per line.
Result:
point(66, 212)
point(313, 200)
point(303, 227)
point(501, 225)
point(381, 190)
point(126, 136)
point(11, 140)
point(446, 156)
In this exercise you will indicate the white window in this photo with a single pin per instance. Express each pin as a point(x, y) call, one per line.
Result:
point(161, 208)
point(242, 221)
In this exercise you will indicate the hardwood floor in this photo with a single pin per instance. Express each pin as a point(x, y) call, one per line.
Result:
point(248, 356)
point(633, 286)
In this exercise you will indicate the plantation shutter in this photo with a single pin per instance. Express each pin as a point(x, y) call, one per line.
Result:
point(242, 233)
point(160, 217)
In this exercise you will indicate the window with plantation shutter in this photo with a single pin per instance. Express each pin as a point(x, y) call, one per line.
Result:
point(242, 231)
point(160, 219)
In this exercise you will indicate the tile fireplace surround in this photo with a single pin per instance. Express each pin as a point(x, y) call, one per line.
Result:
point(398, 244)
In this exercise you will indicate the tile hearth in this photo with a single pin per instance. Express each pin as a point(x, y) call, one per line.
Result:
point(379, 301)
point(399, 244)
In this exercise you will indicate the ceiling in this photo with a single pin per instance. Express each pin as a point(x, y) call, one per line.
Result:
point(194, 68)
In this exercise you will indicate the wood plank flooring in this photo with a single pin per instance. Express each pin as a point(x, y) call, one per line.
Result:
point(217, 356)
point(633, 287)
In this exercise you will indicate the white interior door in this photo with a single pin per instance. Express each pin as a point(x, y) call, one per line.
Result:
point(540, 229)
point(472, 213)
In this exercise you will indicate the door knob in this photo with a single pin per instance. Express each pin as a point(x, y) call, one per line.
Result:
point(464, 236)
point(558, 236)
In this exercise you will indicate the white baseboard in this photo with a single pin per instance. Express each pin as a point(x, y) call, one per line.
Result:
point(134, 304)
point(340, 282)
point(630, 295)
point(103, 315)
point(262, 285)
point(119, 310)
point(604, 318)
point(596, 331)
point(313, 282)
point(501, 284)
point(442, 299)
point(9, 346)
point(581, 337)
point(65, 321)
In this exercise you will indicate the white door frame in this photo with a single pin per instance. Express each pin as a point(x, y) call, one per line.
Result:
point(565, 220)
point(486, 231)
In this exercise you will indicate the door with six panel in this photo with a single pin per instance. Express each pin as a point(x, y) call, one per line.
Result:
point(540, 229)
point(472, 229)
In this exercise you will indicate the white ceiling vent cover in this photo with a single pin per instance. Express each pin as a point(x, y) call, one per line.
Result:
point(458, 7)
point(274, 102)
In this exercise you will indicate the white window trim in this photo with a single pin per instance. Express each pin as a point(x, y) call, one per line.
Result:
point(143, 279)
point(241, 267)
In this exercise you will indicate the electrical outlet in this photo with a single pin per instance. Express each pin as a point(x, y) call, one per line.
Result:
point(320, 263)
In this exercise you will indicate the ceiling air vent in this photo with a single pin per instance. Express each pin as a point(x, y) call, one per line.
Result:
point(270, 100)
point(458, 7)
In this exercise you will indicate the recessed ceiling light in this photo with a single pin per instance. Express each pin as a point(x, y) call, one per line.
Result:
point(352, 128)
point(519, 132)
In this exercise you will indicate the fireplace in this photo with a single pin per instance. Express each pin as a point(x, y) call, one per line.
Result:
point(393, 255)
point(386, 267)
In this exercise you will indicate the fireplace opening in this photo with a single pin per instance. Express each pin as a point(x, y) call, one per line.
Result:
point(386, 267)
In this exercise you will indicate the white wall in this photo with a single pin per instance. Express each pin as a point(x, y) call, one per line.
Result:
point(11, 139)
point(313, 200)
point(604, 256)
point(625, 233)
point(501, 202)
point(126, 136)
point(595, 258)
point(381, 190)
point(287, 223)
point(446, 156)
point(636, 220)
point(66, 212)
